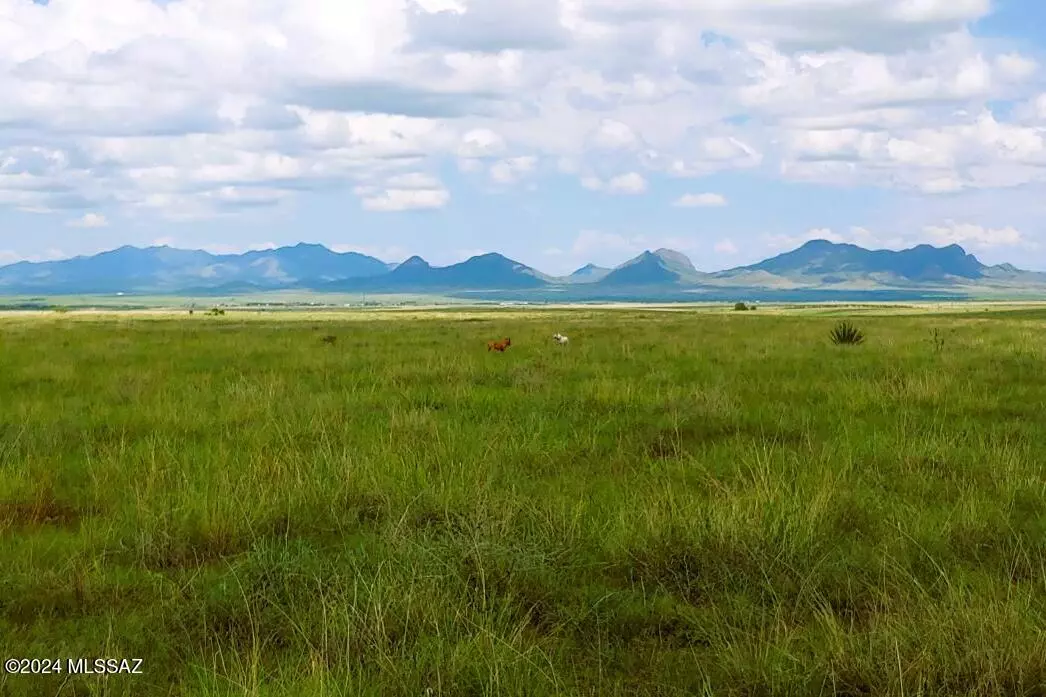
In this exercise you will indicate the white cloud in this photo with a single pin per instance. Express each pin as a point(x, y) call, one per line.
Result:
point(973, 235)
point(414, 180)
point(631, 183)
point(978, 151)
point(512, 169)
point(726, 246)
point(707, 199)
point(470, 164)
point(90, 220)
point(393, 200)
point(481, 142)
point(196, 109)
point(612, 135)
point(1014, 66)
point(810, 24)
point(8, 256)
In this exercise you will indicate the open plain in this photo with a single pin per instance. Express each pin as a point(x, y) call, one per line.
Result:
point(692, 502)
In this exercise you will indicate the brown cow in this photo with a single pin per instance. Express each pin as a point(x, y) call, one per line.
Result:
point(499, 345)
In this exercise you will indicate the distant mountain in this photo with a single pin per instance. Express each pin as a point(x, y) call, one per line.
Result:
point(587, 274)
point(484, 272)
point(921, 263)
point(821, 263)
point(844, 270)
point(308, 262)
point(164, 269)
point(662, 267)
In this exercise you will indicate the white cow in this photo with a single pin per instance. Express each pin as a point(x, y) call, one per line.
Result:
point(560, 339)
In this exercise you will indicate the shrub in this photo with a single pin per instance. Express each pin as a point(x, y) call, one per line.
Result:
point(846, 333)
point(740, 307)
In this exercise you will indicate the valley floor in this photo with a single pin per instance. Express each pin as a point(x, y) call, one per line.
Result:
point(674, 503)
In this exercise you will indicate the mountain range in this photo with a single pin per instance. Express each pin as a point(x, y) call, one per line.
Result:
point(818, 265)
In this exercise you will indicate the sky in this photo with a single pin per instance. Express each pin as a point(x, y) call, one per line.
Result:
point(556, 132)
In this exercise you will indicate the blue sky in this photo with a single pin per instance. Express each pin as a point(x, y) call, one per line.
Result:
point(557, 132)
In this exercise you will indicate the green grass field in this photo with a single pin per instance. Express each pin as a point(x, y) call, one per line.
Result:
point(676, 503)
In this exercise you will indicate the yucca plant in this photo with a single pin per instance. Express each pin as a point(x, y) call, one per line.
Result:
point(846, 333)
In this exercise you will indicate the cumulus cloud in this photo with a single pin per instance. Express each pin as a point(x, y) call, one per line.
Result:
point(403, 192)
point(512, 169)
point(726, 246)
point(481, 142)
point(630, 183)
point(191, 109)
point(704, 200)
point(877, 25)
point(8, 256)
point(89, 220)
point(391, 200)
point(612, 134)
point(491, 26)
point(974, 235)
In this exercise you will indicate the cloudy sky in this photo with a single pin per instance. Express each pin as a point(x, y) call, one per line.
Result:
point(557, 132)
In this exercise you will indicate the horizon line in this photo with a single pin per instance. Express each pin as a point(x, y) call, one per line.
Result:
point(585, 265)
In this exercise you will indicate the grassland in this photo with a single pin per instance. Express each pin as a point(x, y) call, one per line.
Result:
point(676, 503)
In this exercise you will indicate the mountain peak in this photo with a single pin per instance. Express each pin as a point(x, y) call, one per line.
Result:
point(664, 266)
point(676, 259)
point(414, 261)
point(487, 256)
point(818, 243)
point(824, 258)
point(587, 273)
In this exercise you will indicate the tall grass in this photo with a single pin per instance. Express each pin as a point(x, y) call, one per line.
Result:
point(679, 504)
